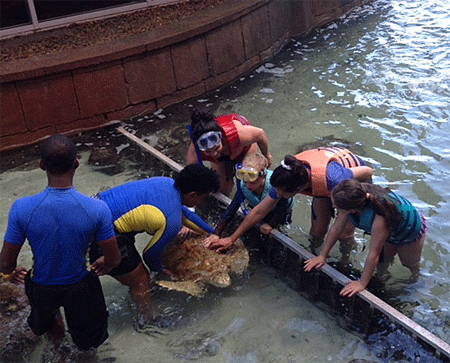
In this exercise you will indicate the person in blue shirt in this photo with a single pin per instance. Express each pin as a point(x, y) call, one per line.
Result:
point(395, 226)
point(59, 224)
point(252, 187)
point(158, 206)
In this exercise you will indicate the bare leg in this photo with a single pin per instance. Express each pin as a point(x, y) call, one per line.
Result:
point(410, 255)
point(320, 220)
point(138, 282)
point(347, 241)
point(57, 331)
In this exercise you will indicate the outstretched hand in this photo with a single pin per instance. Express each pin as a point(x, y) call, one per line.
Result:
point(352, 288)
point(265, 228)
point(186, 233)
point(213, 242)
point(315, 263)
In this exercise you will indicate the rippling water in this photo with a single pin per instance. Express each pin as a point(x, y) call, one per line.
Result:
point(377, 81)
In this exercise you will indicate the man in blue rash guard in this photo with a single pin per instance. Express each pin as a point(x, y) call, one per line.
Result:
point(157, 206)
point(60, 224)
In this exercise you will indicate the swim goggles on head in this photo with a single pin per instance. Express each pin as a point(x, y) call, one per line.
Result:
point(248, 174)
point(209, 140)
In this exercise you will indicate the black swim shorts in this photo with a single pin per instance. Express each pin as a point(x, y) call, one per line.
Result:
point(84, 308)
point(130, 256)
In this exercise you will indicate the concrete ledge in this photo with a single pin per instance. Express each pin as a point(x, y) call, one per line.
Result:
point(86, 88)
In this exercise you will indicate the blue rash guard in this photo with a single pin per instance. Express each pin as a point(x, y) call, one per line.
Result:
point(59, 225)
point(154, 206)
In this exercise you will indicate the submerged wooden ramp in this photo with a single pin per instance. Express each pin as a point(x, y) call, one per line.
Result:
point(325, 285)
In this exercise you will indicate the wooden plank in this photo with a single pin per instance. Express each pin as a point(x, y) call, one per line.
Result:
point(415, 329)
point(159, 155)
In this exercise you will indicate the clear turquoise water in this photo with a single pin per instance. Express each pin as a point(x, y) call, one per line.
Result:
point(378, 82)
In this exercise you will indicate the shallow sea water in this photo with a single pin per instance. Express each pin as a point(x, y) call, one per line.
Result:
point(378, 82)
point(258, 319)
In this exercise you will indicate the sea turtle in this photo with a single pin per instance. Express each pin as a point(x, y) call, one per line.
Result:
point(197, 266)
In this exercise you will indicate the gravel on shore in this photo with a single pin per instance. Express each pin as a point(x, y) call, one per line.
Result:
point(99, 31)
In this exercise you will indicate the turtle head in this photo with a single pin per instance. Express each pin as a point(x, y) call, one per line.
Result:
point(220, 279)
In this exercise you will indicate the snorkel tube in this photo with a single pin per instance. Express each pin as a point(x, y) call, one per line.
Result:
point(241, 198)
point(197, 151)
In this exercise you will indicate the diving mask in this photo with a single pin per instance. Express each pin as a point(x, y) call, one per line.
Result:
point(209, 140)
point(248, 174)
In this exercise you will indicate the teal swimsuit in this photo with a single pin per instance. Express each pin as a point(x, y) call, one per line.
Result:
point(406, 232)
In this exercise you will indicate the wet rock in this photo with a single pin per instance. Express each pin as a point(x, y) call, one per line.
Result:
point(17, 341)
point(197, 266)
point(204, 345)
point(107, 159)
point(104, 156)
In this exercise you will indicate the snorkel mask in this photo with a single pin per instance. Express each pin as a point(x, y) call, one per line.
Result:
point(209, 140)
point(248, 174)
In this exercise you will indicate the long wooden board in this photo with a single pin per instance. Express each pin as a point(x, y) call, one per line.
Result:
point(415, 329)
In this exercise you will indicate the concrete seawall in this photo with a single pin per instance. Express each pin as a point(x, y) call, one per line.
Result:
point(86, 88)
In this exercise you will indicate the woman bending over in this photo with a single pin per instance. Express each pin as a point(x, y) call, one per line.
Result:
point(396, 227)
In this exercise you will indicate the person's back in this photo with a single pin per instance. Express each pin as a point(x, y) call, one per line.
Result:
point(59, 224)
point(159, 192)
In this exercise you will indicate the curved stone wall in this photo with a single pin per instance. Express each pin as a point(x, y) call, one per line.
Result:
point(84, 89)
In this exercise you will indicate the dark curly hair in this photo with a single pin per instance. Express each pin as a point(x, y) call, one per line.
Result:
point(197, 178)
point(58, 153)
point(290, 180)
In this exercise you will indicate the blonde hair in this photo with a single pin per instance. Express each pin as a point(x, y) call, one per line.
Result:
point(256, 161)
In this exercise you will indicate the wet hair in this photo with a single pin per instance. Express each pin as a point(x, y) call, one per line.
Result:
point(202, 122)
point(289, 180)
point(197, 178)
point(256, 161)
point(352, 194)
point(58, 153)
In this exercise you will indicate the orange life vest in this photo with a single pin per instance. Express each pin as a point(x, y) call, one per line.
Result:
point(318, 160)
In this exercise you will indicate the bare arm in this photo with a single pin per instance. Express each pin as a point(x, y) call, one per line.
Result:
point(8, 257)
point(8, 263)
point(362, 173)
point(335, 231)
point(380, 233)
point(251, 134)
point(111, 256)
point(255, 215)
